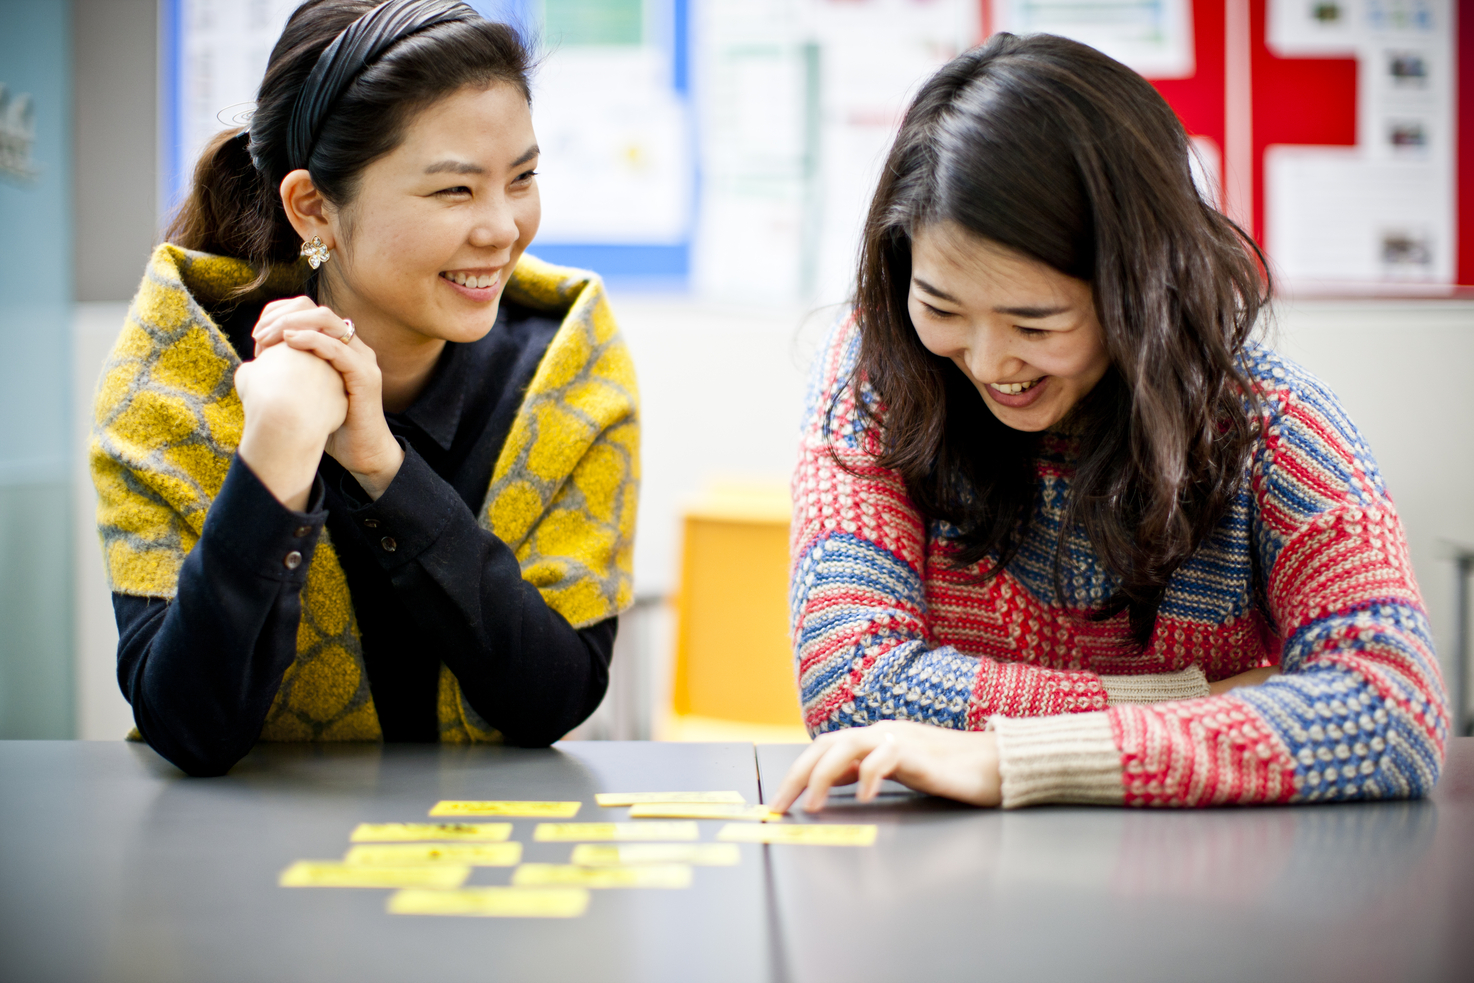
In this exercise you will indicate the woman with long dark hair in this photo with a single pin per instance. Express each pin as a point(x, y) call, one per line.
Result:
point(366, 470)
point(1063, 532)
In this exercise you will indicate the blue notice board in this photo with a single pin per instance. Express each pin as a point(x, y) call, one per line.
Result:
point(611, 106)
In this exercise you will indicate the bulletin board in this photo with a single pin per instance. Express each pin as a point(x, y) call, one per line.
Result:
point(610, 106)
point(683, 139)
point(612, 109)
point(1330, 129)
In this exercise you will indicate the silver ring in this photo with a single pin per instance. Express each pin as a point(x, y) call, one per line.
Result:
point(345, 339)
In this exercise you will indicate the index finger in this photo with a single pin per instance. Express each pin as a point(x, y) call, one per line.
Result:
point(798, 774)
point(278, 309)
point(839, 765)
point(285, 305)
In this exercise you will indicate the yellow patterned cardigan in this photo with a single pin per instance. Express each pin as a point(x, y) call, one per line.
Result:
point(563, 491)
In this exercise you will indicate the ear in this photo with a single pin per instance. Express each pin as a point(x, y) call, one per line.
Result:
point(307, 210)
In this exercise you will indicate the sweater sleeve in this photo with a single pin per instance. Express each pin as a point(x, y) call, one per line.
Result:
point(1359, 711)
point(201, 669)
point(859, 613)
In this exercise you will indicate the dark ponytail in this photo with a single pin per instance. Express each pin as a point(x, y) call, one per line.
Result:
point(234, 206)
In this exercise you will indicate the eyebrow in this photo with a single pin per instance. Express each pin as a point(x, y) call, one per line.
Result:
point(454, 167)
point(938, 294)
point(1028, 313)
point(466, 167)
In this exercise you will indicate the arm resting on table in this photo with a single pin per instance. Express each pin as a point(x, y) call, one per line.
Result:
point(201, 670)
point(1359, 710)
point(523, 668)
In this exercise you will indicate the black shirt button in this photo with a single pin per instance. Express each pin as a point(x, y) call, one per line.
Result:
point(371, 523)
point(389, 544)
point(292, 560)
point(301, 531)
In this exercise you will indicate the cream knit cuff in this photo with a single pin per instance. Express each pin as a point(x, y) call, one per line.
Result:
point(1069, 758)
point(1155, 687)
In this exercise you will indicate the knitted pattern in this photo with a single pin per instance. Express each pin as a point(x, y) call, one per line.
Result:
point(885, 627)
point(167, 422)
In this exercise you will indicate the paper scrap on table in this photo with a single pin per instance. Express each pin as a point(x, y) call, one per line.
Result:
point(608, 799)
point(493, 902)
point(704, 810)
point(525, 810)
point(390, 832)
point(696, 854)
point(572, 875)
point(573, 832)
point(420, 854)
point(334, 873)
point(810, 834)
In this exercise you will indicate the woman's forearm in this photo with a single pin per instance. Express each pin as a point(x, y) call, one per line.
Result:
point(201, 670)
point(520, 664)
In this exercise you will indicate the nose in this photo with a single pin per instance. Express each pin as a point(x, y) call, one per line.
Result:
point(496, 226)
point(989, 356)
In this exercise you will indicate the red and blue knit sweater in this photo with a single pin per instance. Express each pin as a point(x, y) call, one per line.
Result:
point(1308, 570)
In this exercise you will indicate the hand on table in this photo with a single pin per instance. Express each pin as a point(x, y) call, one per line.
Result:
point(1252, 677)
point(960, 765)
point(363, 443)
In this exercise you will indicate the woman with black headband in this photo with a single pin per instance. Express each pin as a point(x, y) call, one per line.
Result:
point(366, 471)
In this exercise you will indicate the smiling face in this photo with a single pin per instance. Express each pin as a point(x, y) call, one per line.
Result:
point(1025, 334)
point(427, 245)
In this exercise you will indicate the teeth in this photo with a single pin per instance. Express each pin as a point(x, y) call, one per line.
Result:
point(470, 281)
point(1013, 388)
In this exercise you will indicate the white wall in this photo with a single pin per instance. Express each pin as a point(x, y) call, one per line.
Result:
point(721, 396)
point(102, 713)
point(722, 392)
point(1403, 371)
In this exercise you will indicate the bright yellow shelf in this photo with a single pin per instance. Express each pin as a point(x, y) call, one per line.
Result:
point(696, 729)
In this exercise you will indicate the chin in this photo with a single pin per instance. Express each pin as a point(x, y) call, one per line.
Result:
point(1027, 422)
point(468, 328)
point(1030, 426)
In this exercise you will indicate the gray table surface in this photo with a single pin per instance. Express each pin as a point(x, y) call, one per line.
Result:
point(115, 867)
point(1374, 891)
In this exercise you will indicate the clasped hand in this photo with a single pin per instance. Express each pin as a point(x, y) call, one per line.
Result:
point(307, 393)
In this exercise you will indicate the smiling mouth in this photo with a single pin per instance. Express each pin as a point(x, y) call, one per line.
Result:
point(1014, 388)
point(471, 280)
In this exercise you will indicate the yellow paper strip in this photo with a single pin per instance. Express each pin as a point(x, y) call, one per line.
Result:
point(390, 832)
point(574, 832)
point(696, 854)
point(526, 810)
point(635, 798)
point(332, 873)
point(571, 875)
point(493, 902)
point(703, 810)
point(810, 834)
point(423, 854)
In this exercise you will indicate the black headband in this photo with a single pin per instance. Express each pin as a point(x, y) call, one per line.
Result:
point(361, 43)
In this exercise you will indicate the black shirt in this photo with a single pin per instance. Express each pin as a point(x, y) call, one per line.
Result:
point(429, 585)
